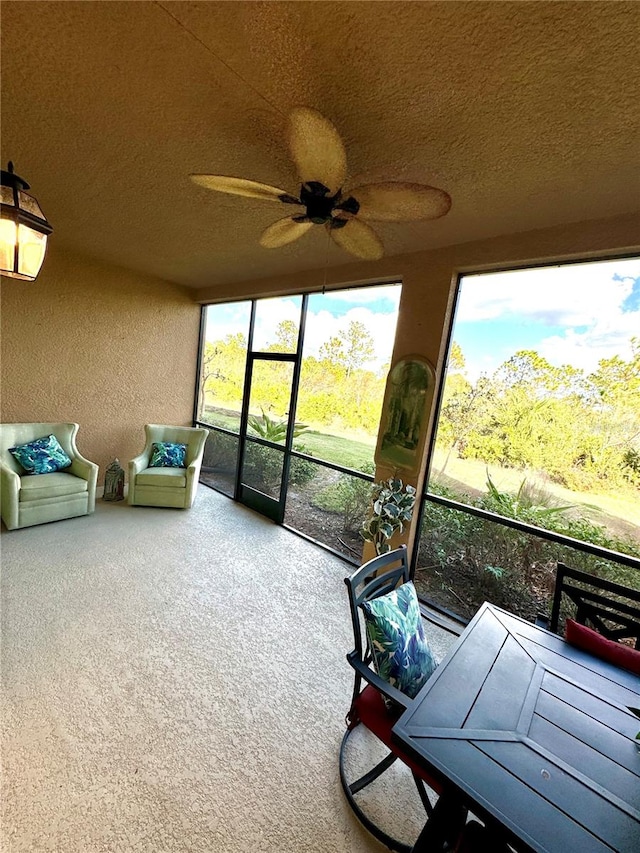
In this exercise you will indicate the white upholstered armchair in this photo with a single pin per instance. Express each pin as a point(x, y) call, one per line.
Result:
point(27, 499)
point(167, 485)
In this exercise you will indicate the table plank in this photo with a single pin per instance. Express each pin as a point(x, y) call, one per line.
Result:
point(569, 796)
point(602, 678)
point(504, 690)
point(532, 818)
point(453, 690)
point(535, 732)
point(616, 717)
point(611, 732)
point(606, 773)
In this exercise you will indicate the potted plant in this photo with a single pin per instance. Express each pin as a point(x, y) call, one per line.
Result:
point(393, 504)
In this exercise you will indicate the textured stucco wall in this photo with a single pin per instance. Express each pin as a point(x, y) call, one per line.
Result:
point(103, 346)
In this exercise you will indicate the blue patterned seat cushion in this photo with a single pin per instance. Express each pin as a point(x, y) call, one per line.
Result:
point(401, 651)
point(167, 454)
point(41, 456)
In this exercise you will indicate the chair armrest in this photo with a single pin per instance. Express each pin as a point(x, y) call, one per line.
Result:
point(9, 479)
point(82, 468)
point(88, 471)
point(138, 463)
point(193, 470)
point(376, 681)
point(9, 493)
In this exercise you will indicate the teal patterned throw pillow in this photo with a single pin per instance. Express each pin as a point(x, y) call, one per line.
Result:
point(167, 454)
point(401, 652)
point(42, 456)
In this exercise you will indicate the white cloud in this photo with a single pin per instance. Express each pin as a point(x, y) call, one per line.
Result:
point(568, 295)
point(585, 299)
point(363, 295)
point(231, 318)
point(323, 325)
point(584, 350)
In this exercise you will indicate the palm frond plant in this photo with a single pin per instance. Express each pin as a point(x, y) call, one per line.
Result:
point(264, 464)
point(393, 504)
point(272, 429)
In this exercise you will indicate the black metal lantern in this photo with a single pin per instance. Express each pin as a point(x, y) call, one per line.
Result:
point(23, 229)
point(114, 482)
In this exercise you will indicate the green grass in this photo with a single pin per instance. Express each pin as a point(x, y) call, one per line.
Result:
point(619, 513)
point(331, 448)
point(341, 451)
point(221, 418)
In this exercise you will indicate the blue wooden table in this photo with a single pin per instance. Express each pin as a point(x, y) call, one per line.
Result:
point(533, 733)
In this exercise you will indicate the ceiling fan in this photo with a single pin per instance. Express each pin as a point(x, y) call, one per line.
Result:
point(319, 155)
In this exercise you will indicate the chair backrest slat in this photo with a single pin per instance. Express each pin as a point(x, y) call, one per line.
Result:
point(378, 576)
point(616, 615)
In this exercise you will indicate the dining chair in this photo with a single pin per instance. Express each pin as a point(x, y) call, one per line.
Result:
point(383, 604)
point(611, 609)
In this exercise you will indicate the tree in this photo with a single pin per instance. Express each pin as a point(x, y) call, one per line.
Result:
point(457, 361)
point(333, 351)
point(286, 337)
point(209, 370)
point(222, 372)
point(359, 346)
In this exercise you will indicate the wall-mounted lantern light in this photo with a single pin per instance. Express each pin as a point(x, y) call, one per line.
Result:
point(23, 229)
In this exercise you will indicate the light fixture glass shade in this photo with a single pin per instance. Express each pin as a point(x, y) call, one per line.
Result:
point(23, 229)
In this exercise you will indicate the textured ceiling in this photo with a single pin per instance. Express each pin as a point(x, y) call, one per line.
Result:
point(526, 113)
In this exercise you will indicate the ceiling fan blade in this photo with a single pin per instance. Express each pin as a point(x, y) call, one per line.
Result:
point(283, 231)
point(359, 239)
point(316, 149)
point(241, 186)
point(397, 201)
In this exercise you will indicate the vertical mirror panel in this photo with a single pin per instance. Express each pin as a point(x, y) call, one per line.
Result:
point(277, 324)
point(222, 366)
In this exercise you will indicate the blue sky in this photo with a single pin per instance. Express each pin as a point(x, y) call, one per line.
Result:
point(328, 315)
point(571, 314)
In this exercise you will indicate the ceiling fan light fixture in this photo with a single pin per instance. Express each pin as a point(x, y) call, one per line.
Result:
point(23, 229)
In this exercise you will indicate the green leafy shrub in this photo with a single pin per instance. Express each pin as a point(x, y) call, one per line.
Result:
point(301, 471)
point(349, 497)
point(465, 560)
point(262, 467)
point(220, 452)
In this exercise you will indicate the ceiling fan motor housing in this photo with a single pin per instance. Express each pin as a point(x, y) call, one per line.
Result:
point(320, 205)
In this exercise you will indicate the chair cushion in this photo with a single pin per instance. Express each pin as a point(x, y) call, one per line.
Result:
point(41, 456)
point(378, 718)
point(55, 485)
point(174, 477)
point(401, 652)
point(591, 641)
point(167, 454)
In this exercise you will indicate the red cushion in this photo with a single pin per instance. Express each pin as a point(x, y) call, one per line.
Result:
point(589, 640)
point(379, 719)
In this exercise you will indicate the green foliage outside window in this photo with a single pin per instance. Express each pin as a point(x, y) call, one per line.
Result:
point(581, 430)
point(464, 560)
